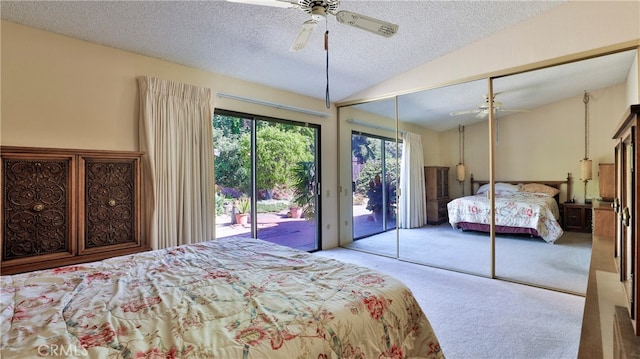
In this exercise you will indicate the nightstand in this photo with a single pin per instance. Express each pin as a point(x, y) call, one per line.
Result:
point(577, 217)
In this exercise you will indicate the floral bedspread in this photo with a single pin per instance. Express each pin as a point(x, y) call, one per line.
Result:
point(227, 298)
point(517, 209)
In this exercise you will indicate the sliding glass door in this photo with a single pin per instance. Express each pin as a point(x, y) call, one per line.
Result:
point(373, 168)
point(267, 174)
point(369, 177)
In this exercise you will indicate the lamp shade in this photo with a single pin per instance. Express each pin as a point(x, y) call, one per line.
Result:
point(460, 175)
point(586, 169)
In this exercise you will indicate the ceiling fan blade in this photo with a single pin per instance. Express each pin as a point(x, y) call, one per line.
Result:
point(273, 3)
point(482, 114)
point(367, 23)
point(458, 113)
point(303, 36)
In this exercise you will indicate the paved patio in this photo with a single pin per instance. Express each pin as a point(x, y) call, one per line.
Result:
point(272, 227)
point(293, 232)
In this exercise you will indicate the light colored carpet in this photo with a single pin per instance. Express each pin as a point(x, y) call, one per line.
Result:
point(563, 265)
point(476, 317)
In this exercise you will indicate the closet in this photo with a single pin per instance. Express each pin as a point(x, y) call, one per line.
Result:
point(63, 206)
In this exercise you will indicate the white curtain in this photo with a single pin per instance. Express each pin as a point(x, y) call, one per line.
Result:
point(177, 136)
point(413, 210)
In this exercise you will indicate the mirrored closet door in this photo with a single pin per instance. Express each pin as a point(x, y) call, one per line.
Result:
point(547, 122)
point(445, 139)
point(530, 131)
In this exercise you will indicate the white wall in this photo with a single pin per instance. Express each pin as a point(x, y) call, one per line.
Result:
point(66, 93)
point(633, 88)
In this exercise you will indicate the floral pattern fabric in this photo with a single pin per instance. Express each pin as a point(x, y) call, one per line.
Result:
point(516, 209)
point(227, 298)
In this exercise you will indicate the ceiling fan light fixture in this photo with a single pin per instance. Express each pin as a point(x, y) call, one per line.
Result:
point(367, 23)
point(485, 105)
point(318, 13)
point(313, 6)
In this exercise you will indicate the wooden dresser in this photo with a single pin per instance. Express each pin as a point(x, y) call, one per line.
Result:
point(437, 192)
point(63, 206)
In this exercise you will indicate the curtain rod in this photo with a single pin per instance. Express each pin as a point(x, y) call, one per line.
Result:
point(272, 104)
point(377, 127)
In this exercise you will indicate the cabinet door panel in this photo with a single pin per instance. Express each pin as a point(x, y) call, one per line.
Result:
point(110, 188)
point(37, 206)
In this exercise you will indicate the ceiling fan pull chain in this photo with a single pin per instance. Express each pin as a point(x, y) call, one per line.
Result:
point(326, 48)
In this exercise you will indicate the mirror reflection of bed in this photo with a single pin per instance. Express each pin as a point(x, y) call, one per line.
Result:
point(522, 207)
point(531, 246)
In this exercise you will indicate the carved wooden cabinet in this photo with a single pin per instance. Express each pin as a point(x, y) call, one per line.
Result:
point(437, 192)
point(63, 206)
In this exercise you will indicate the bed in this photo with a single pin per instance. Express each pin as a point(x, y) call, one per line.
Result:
point(226, 298)
point(522, 207)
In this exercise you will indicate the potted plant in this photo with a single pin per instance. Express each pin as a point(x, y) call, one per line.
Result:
point(242, 206)
point(295, 211)
point(377, 197)
point(303, 203)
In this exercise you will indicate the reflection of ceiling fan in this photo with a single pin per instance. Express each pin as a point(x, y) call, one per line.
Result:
point(319, 10)
point(483, 109)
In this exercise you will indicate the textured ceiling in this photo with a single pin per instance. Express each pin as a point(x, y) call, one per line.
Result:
point(251, 42)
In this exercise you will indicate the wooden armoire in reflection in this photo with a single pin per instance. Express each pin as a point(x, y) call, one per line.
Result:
point(63, 206)
point(436, 180)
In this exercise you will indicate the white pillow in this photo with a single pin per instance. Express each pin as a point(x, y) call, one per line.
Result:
point(483, 189)
point(507, 187)
point(500, 188)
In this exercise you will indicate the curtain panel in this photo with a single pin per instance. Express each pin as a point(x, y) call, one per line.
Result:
point(412, 201)
point(177, 136)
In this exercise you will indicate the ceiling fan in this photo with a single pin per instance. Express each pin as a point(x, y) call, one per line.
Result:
point(483, 109)
point(318, 9)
